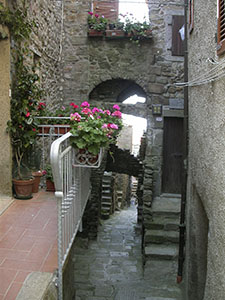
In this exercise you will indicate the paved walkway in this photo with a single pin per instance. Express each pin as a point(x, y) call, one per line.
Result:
point(111, 267)
point(28, 241)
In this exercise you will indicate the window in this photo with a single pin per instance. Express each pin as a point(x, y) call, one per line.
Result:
point(108, 9)
point(221, 28)
point(191, 15)
point(177, 43)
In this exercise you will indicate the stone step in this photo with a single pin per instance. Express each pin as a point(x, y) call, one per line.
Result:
point(167, 252)
point(106, 204)
point(106, 198)
point(161, 236)
point(164, 223)
point(168, 207)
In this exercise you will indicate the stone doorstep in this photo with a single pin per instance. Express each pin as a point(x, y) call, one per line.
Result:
point(38, 286)
point(106, 204)
point(159, 298)
point(160, 222)
point(161, 236)
point(155, 251)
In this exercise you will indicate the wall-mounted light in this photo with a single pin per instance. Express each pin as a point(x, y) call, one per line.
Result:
point(156, 109)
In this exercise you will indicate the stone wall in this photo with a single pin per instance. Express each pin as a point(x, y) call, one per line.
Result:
point(5, 149)
point(106, 70)
point(206, 193)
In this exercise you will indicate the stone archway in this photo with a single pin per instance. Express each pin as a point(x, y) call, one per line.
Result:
point(117, 90)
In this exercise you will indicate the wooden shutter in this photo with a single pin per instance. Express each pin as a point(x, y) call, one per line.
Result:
point(108, 9)
point(177, 43)
point(221, 28)
point(191, 15)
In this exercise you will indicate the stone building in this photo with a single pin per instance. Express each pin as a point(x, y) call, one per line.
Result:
point(75, 67)
point(205, 262)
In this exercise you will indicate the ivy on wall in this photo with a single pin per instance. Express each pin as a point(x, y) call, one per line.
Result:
point(26, 91)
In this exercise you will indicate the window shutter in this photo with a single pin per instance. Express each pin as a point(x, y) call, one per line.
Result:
point(108, 9)
point(191, 15)
point(221, 27)
point(177, 43)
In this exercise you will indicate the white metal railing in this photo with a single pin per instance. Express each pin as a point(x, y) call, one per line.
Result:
point(73, 188)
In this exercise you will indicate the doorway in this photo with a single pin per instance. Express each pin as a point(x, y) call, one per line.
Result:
point(172, 155)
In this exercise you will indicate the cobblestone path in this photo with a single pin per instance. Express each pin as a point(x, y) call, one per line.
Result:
point(111, 268)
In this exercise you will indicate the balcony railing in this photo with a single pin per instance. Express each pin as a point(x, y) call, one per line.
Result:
point(73, 188)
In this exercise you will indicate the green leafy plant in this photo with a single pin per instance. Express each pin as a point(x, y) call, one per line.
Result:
point(48, 173)
point(26, 91)
point(94, 128)
point(97, 22)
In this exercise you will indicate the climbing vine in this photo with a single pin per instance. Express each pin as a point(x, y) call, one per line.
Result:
point(16, 20)
point(26, 91)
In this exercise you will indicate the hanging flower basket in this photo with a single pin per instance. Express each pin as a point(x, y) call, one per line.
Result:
point(83, 158)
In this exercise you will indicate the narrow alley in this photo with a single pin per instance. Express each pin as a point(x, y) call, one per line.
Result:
point(111, 267)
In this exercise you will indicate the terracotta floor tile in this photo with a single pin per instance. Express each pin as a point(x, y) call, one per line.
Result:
point(13, 253)
point(6, 278)
point(21, 276)
point(21, 265)
point(39, 252)
point(1, 260)
point(28, 241)
point(25, 243)
point(13, 291)
point(51, 261)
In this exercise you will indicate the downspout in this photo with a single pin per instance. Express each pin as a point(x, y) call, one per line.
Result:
point(185, 153)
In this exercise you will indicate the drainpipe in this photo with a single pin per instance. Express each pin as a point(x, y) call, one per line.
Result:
point(185, 153)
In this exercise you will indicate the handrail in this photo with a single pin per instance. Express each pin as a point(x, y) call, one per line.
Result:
point(73, 188)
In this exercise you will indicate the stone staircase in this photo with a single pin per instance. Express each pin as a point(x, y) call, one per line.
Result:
point(161, 248)
point(162, 236)
point(106, 201)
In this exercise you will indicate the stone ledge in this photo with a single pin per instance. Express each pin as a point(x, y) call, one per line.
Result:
point(38, 286)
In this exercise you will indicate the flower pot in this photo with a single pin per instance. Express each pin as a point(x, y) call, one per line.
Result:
point(62, 129)
point(37, 178)
point(116, 33)
point(95, 33)
point(50, 186)
point(23, 188)
point(44, 130)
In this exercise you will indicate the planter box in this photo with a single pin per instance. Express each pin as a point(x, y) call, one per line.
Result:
point(50, 186)
point(115, 33)
point(83, 158)
point(95, 33)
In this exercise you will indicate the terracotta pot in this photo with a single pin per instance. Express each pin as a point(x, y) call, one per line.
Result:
point(44, 130)
point(37, 178)
point(61, 130)
point(23, 188)
point(50, 186)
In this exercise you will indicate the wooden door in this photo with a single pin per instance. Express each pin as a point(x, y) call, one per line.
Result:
point(172, 155)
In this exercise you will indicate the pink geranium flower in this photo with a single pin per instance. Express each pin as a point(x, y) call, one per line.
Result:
point(85, 104)
point(90, 13)
point(86, 111)
point(116, 107)
point(75, 117)
point(112, 126)
point(117, 114)
point(107, 112)
point(27, 114)
point(95, 109)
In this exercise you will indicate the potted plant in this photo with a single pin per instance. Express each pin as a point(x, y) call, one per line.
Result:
point(50, 186)
point(23, 126)
point(96, 24)
point(33, 160)
point(93, 129)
